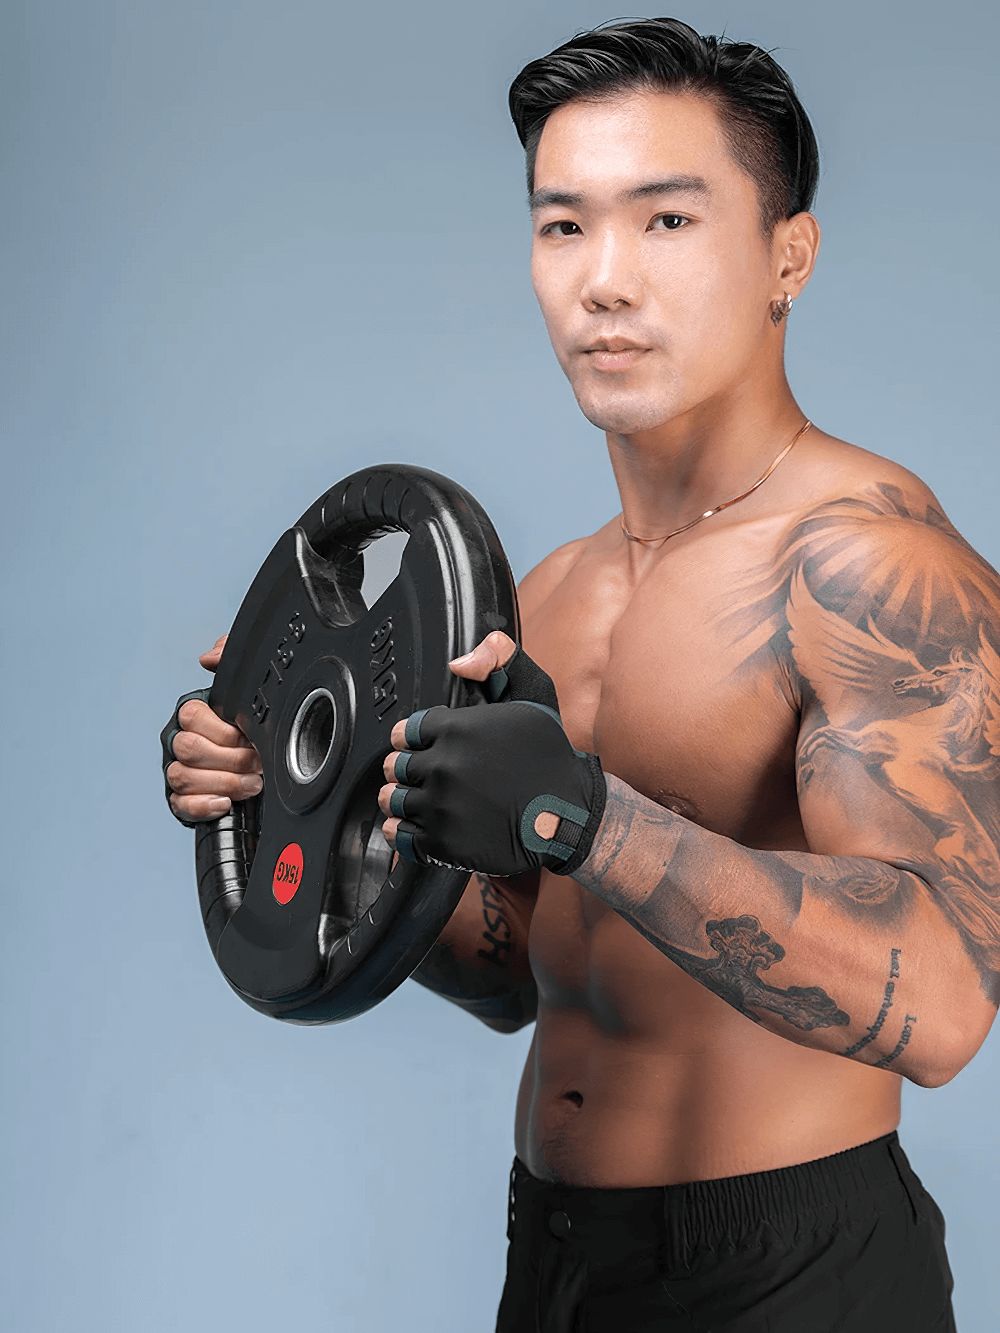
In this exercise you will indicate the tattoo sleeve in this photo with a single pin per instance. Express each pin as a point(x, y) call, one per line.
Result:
point(888, 628)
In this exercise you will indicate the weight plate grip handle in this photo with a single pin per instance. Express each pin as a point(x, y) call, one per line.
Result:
point(223, 854)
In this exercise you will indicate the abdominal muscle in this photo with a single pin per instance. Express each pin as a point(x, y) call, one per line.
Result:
point(639, 1076)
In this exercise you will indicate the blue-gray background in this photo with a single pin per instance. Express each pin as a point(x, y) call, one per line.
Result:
point(247, 248)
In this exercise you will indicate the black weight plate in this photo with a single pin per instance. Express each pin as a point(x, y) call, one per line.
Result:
point(305, 919)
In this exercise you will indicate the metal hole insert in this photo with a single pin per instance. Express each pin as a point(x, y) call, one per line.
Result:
point(311, 737)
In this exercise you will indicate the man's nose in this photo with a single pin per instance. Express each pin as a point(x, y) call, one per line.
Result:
point(612, 279)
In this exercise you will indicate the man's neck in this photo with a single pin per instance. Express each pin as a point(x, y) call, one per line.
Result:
point(669, 475)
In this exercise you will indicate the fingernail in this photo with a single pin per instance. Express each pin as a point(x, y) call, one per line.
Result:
point(464, 658)
point(251, 784)
point(219, 806)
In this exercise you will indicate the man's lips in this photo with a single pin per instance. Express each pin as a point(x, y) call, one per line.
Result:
point(614, 353)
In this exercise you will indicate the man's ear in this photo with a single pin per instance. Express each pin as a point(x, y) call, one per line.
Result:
point(794, 248)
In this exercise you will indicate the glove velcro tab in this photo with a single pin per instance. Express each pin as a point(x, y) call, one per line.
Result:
point(578, 841)
point(566, 839)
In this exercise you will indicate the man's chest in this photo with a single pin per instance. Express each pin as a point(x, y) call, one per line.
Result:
point(677, 701)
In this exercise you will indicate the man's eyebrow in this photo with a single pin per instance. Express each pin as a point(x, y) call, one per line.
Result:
point(555, 198)
point(574, 199)
point(670, 185)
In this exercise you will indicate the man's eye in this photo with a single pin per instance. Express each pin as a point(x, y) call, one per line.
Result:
point(560, 228)
point(670, 221)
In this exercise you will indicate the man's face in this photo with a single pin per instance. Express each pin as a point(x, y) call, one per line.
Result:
point(648, 259)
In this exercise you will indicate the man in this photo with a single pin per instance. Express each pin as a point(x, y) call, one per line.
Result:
point(754, 881)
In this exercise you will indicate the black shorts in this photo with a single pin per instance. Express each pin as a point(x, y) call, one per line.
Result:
point(845, 1244)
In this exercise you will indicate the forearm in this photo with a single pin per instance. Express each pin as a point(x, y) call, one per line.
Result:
point(480, 961)
point(858, 961)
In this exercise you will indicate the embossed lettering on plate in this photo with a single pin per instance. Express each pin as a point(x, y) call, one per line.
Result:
point(281, 661)
point(383, 676)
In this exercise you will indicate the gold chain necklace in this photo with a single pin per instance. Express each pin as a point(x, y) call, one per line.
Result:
point(645, 541)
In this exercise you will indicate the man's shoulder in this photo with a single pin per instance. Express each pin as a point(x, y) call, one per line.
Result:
point(839, 471)
point(875, 547)
point(855, 499)
point(541, 582)
point(865, 549)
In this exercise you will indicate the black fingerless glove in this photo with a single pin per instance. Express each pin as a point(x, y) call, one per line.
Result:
point(476, 779)
point(167, 744)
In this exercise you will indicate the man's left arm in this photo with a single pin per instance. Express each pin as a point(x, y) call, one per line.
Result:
point(882, 944)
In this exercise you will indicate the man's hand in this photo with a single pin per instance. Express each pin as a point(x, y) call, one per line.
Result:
point(214, 763)
point(499, 789)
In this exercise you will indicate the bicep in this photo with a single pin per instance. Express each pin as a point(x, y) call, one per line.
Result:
point(901, 770)
point(854, 798)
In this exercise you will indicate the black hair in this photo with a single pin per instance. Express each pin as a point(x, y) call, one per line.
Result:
point(767, 129)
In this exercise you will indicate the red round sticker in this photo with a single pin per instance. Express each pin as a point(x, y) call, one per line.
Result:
point(287, 873)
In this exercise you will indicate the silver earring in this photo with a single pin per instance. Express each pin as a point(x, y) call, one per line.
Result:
point(781, 310)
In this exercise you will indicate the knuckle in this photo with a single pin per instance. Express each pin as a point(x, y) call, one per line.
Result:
point(503, 645)
point(187, 714)
point(184, 746)
point(176, 776)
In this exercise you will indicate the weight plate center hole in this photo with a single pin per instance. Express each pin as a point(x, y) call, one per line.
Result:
point(311, 737)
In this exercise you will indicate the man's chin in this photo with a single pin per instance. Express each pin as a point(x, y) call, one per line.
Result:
point(623, 414)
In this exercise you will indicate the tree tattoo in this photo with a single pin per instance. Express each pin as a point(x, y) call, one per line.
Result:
point(743, 950)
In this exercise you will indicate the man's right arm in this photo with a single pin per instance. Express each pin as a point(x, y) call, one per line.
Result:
point(480, 961)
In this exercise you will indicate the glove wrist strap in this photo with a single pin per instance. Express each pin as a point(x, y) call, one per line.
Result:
point(583, 844)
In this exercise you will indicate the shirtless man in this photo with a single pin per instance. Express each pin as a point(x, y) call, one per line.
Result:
point(783, 870)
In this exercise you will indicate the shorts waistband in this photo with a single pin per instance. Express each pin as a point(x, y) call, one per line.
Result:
point(712, 1211)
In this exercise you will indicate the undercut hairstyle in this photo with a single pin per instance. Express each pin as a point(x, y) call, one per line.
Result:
point(766, 127)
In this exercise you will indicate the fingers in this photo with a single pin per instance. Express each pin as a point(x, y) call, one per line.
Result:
point(417, 731)
point(396, 765)
point(399, 835)
point(193, 751)
point(214, 765)
point(199, 724)
point(397, 801)
point(210, 660)
point(389, 832)
point(384, 797)
point(195, 808)
point(494, 651)
point(186, 780)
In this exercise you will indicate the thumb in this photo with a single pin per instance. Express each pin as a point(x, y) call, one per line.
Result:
point(493, 652)
point(210, 660)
